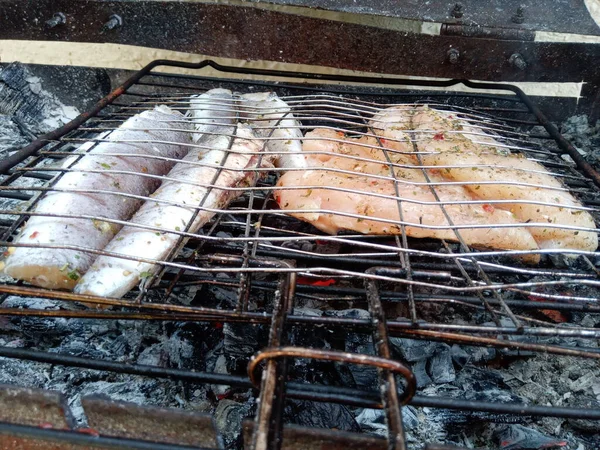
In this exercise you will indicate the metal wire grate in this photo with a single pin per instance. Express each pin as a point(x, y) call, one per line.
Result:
point(252, 246)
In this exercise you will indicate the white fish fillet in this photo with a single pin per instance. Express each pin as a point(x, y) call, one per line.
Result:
point(61, 268)
point(278, 125)
point(477, 157)
point(328, 208)
point(213, 112)
point(113, 276)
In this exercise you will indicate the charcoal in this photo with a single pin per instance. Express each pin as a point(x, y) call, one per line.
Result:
point(480, 354)
point(11, 138)
point(23, 373)
point(241, 341)
point(372, 421)
point(228, 419)
point(47, 330)
point(306, 311)
point(413, 350)
point(410, 417)
point(221, 368)
point(306, 246)
point(459, 356)
point(440, 367)
point(32, 109)
point(419, 369)
point(216, 362)
point(30, 303)
point(320, 415)
point(363, 376)
point(586, 402)
point(516, 437)
point(184, 295)
point(139, 390)
point(353, 313)
point(83, 349)
point(169, 352)
point(578, 130)
point(227, 297)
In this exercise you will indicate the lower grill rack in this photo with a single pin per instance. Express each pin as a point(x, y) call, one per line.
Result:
point(378, 330)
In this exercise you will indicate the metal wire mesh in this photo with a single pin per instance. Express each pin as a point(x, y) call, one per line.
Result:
point(260, 227)
point(246, 243)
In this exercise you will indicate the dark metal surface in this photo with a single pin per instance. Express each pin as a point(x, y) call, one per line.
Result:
point(302, 438)
point(23, 437)
point(567, 16)
point(168, 426)
point(250, 33)
point(40, 419)
point(271, 402)
point(476, 31)
point(33, 407)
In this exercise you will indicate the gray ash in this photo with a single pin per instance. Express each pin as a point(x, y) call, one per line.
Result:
point(584, 136)
point(26, 109)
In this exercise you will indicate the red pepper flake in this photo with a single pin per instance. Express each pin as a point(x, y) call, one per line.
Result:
point(320, 242)
point(312, 282)
point(450, 117)
point(218, 325)
point(383, 141)
point(46, 425)
point(488, 208)
point(439, 136)
point(34, 235)
point(222, 396)
point(89, 431)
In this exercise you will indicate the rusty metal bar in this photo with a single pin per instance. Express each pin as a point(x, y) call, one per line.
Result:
point(269, 414)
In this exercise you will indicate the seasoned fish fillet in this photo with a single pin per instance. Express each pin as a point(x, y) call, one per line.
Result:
point(273, 120)
point(464, 160)
point(114, 277)
point(331, 148)
point(330, 198)
point(213, 112)
point(61, 268)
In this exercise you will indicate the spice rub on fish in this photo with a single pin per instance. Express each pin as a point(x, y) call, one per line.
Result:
point(466, 153)
point(92, 187)
point(272, 119)
point(195, 188)
point(350, 187)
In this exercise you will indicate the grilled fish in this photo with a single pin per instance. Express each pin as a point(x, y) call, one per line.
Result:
point(365, 198)
point(101, 178)
point(466, 153)
point(273, 121)
point(174, 206)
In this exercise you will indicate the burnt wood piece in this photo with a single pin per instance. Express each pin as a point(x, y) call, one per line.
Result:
point(257, 34)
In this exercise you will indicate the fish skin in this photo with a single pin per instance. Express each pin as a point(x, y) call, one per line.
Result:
point(113, 276)
point(213, 112)
point(277, 125)
point(61, 268)
point(379, 211)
